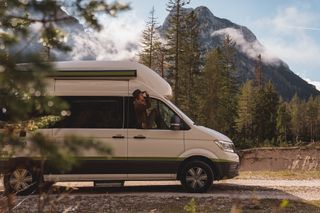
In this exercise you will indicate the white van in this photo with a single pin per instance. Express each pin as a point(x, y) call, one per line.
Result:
point(101, 103)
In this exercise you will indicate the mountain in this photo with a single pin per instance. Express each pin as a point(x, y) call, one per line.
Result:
point(212, 33)
point(86, 45)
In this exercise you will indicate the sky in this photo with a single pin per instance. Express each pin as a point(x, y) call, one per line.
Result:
point(288, 29)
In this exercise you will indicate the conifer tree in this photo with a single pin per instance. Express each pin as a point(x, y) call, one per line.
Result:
point(244, 121)
point(221, 90)
point(152, 54)
point(230, 84)
point(297, 117)
point(312, 114)
point(213, 76)
point(283, 122)
point(190, 66)
point(174, 49)
point(265, 114)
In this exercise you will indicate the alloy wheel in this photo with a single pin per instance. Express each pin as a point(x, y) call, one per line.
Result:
point(196, 177)
point(20, 179)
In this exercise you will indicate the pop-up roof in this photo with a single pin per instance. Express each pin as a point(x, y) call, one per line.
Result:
point(126, 70)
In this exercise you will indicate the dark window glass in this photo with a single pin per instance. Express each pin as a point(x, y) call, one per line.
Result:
point(161, 119)
point(93, 112)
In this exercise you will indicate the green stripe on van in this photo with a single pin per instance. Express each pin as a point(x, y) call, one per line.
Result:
point(146, 158)
point(132, 158)
point(95, 73)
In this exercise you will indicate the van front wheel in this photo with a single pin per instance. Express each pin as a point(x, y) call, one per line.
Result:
point(196, 176)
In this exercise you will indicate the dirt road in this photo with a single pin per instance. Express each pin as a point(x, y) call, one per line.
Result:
point(253, 195)
point(237, 188)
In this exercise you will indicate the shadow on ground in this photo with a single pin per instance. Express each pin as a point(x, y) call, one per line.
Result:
point(221, 197)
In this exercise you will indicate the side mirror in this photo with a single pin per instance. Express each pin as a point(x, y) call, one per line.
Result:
point(175, 123)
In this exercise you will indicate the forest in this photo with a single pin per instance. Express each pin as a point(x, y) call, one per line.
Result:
point(206, 88)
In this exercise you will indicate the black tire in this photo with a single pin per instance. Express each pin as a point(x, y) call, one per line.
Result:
point(196, 176)
point(22, 180)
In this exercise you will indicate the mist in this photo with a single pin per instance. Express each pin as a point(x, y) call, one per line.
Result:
point(251, 49)
point(118, 40)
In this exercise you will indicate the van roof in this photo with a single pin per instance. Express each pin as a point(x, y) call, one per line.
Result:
point(114, 69)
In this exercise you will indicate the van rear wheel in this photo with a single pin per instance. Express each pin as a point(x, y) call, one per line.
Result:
point(196, 176)
point(21, 180)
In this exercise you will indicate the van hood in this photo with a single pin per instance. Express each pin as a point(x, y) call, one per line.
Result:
point(215, 134)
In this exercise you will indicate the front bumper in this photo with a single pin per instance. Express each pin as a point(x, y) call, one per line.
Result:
point(225, 170)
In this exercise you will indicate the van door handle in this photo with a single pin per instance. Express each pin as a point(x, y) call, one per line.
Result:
point(139, 137)
point(118, 136)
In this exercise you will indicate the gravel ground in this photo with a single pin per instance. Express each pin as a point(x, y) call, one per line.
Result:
point(225, 196)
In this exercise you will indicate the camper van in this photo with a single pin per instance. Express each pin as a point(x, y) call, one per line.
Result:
point(102, 107)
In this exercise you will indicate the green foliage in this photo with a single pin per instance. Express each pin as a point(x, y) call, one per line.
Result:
point(284, 204)
point(220, 100)
point(25, 105)
point(252, 115)
point(283, 122)
point(174, 42)
point(178, 58)
point(190, 84)
point(152, 54)
point(258, 118)
point(264, 121)
point(245, 118)
point(265, 113)
point(305, 119)
point(191, 206)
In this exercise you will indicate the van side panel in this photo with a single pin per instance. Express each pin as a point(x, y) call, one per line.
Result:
point(91, 87)
point(94, 92)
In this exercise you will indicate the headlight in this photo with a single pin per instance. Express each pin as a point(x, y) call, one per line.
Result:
point(225, 146)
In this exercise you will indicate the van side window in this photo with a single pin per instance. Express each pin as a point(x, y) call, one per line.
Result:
point(93, 112)
point(166, 115)
point(161, 120)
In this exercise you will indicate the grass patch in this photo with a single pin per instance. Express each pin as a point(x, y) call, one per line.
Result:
point(290, 175)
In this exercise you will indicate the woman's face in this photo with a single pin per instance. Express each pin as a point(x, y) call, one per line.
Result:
point(141, 99)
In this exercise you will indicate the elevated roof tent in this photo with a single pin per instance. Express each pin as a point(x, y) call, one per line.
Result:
point(139, 76)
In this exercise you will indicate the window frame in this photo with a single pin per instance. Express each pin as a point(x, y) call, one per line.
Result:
point(128, 118)
point(69, 98)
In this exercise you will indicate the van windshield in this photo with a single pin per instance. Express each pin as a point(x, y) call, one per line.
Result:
point(184, 116)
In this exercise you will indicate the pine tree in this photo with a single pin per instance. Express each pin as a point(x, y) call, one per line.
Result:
point(231, 86)
point(283, 122)
point(244, 121)
point(297, 117)
point(312, 114)
point(212, 86)
point(159, 63)
point(221, 97)
point(265, 114)
point(152, 54)
point(173, 37)
point(190, 66)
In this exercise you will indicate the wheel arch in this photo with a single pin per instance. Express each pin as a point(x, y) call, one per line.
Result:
point(25, 161)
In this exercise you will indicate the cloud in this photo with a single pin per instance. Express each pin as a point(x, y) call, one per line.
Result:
point(315, 83)
point(118, 40)
point(252, 49)
point(292, 36)
point(292, 17)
